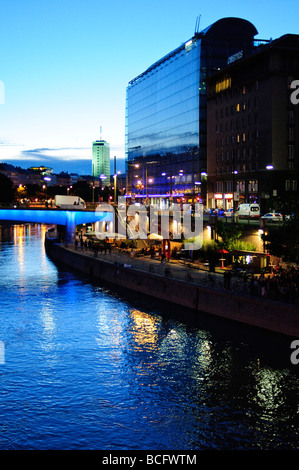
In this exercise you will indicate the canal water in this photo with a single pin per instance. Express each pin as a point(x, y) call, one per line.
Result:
point(86, 367)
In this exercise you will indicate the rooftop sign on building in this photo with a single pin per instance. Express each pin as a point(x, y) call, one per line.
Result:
point(234, 57)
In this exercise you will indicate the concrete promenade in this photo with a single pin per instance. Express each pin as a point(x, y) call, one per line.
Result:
point(175, 269)
point(135, 275)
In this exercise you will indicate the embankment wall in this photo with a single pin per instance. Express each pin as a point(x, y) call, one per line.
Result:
point(262, 313)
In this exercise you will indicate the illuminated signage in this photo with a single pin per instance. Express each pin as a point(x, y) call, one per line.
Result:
point(228, 196)
point(233, 58)
point(218, 196)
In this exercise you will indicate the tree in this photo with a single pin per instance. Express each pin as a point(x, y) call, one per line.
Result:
point(83, 190)
point(7, 192)
point(283, 241)
point(228, 233)
point(230, 236)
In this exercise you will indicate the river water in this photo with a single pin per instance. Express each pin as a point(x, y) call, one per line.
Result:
point(86, 367)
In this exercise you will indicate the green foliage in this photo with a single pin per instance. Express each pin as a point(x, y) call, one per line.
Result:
point(209, 246)
point(83, 190)
point(283, 241)
point(240, 245)
point(228, 233)
point(7, 192)
point(209, 252)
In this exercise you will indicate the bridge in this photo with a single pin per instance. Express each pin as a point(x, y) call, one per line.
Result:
point(68, 218)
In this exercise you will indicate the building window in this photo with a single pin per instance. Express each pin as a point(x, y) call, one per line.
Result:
point(291, 133)
point(240, 186)
point(253, 186)
point(229, 186)
point(291, 151)
point(219, 186)
point(291, 118)
point(238, 107)
point(291, 185)
point(291, 165)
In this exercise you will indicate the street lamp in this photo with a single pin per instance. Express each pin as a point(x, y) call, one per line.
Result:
point(114, 181)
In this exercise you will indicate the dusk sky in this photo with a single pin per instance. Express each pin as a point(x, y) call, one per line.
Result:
point(65, 66)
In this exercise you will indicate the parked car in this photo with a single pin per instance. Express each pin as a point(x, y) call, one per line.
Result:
point(248, 210)
point(273, 217)
point(229, 213)
point(216, 211)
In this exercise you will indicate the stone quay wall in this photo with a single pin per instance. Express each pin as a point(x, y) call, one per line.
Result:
point(262, 313)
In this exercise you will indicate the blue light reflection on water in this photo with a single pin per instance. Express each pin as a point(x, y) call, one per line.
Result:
point(86, 368)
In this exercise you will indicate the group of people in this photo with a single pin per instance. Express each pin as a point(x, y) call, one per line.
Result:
point(93, 246)
point(282, 285)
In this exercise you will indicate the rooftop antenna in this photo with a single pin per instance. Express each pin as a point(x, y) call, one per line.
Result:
point(100, 132)
point(197, 23)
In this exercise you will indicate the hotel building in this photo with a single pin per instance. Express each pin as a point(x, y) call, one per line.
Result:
point(253, 128)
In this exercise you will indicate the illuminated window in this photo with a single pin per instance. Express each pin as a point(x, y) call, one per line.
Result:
point(223, 84)
point(238, 107)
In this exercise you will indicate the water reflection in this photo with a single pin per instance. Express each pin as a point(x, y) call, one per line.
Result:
point(88, 368)
point(144, 329)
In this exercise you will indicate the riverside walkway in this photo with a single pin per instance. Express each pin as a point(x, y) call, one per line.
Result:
point(168, 282)
point(176, 269)
point(283, 288)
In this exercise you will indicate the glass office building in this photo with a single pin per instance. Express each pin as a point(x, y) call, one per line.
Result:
point(166, 112)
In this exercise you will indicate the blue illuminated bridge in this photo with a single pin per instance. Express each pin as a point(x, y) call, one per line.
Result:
point(69, 218)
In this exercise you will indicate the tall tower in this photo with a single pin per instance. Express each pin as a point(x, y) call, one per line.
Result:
point(101, 160)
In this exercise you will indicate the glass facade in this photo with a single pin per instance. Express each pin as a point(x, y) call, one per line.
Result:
point(163, 123)
point(166, 115)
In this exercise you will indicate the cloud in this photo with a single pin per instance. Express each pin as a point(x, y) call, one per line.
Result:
point(71, 160)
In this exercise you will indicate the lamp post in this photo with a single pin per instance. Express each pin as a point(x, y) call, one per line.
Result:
point(269, 167)
point(115, 183)
point(234, 195)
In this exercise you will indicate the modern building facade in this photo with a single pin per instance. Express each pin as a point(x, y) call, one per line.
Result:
point(166, 112)
point(253, 128)
point(101, 160)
